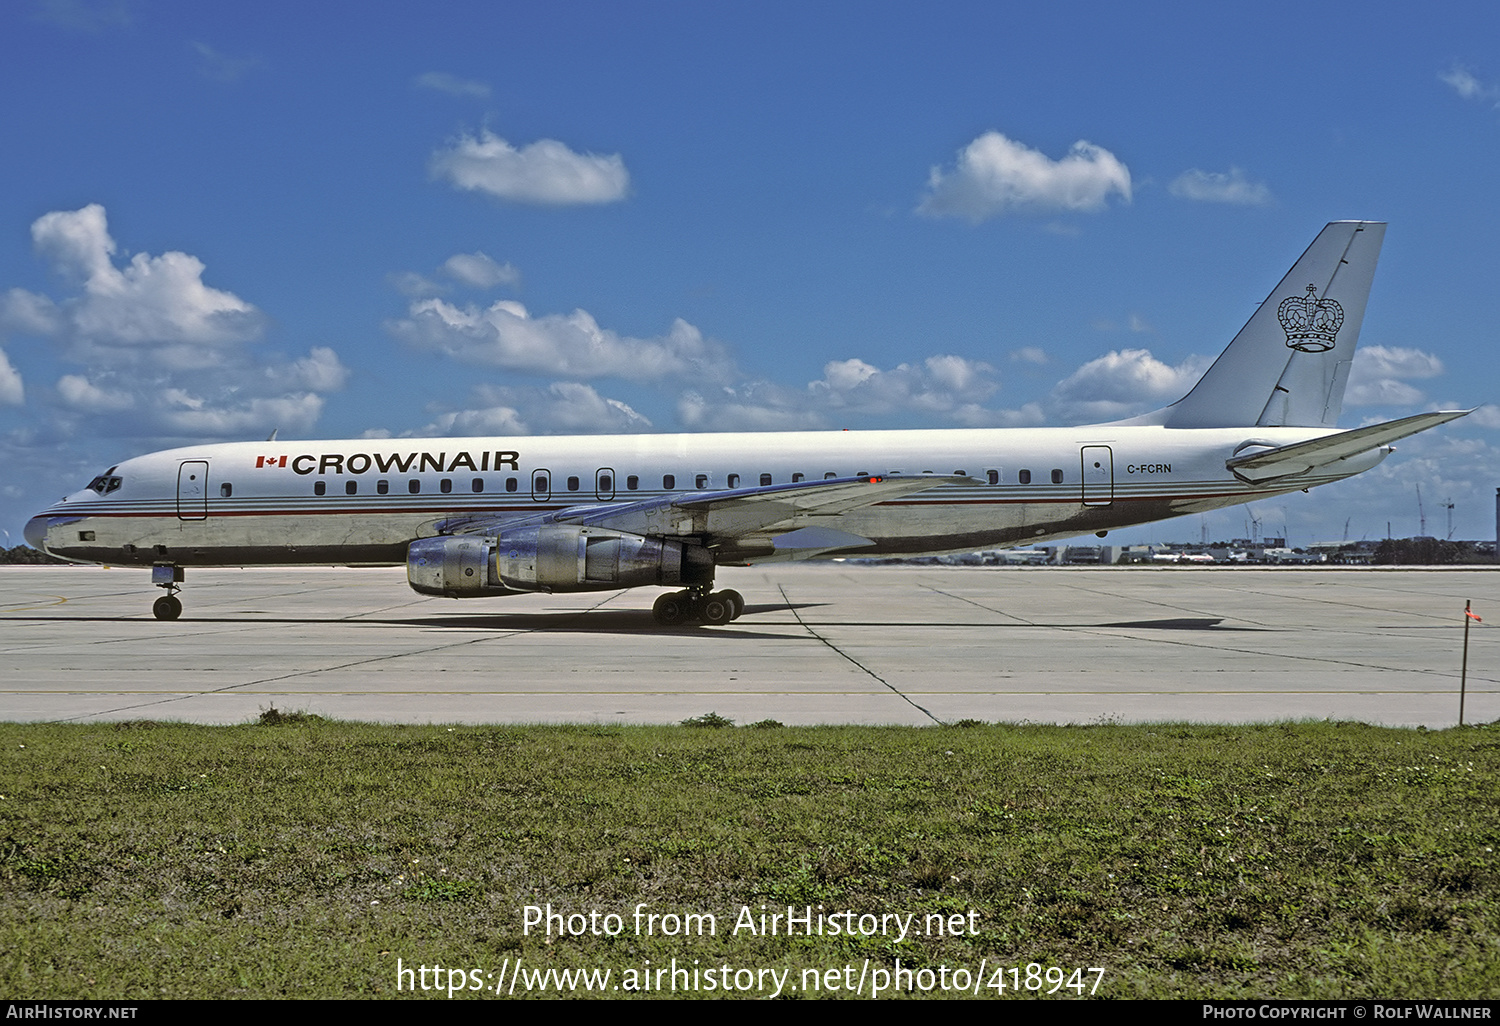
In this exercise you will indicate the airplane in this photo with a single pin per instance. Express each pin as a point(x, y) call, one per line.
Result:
point(472, 517)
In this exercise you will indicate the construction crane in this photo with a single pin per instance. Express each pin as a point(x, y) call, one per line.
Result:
point(1421, 515)
point(1449, 507)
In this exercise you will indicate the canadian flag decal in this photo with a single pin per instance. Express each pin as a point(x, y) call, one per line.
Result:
point(270, 461)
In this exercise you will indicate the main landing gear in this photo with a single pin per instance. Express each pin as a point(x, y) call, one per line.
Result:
point(714, 608)
point(169, 606)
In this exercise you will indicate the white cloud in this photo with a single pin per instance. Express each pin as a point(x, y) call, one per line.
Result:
point(756, 407)
point(83, 395)
point(488, 420)
point(320, 370)
point(940, 384)
point(1134, 323)
point(947, 389)
point(84, 15)
point(995, 174)
point(1383, 392)
point(452, 84)
point(11, 391)
point(473, 270)
point(564, 407)
point(414, 285)
point(1029, 415)
point(76, 241)
point(221, 67)
point(1380, 373)
point(1487, 415)
point(1468, 87)
point(506, 335)
point(158, 303)
point(163, 355)
point(545, 172)
point(1028, 354)
point(1122, 383)
point(29, 313)
point(1220, 187)
point(1395, 362)
point(193, 417)
point(480, 271)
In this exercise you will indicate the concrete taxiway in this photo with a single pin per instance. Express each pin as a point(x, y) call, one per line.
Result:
point(834, 643)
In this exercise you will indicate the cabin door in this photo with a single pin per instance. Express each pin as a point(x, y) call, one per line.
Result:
point(1098, 475)
point(192, 490)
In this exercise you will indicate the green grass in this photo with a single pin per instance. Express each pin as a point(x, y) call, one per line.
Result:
point(300, 857)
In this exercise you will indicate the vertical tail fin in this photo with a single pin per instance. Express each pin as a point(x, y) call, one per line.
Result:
point(1290, 362)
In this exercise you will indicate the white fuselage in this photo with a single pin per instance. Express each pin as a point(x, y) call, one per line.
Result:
point(362, 501)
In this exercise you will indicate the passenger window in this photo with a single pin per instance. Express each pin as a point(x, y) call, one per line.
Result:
point(733, 480)
point(414, 486)
point(796, 478)
point(765, 479)
point(226, 490)
point(351, 487)
point(830, 474)
point(319, 487)
point(1024, 476)
point(383, 486)
point(992, 476)
point(572, 484)
point(669, 481)
point(445, 485)
point(606, 483)
point(510, 484)
point(1057, 477)
point(702, 481)
point(632, 482)
point(477, 485)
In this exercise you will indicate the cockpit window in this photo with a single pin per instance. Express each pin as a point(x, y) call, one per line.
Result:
point(105, 482)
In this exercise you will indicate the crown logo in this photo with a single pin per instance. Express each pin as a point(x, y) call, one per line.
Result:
point(1311, 324)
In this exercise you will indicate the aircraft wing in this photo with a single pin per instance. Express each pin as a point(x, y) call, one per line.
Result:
point(784, 516)
point(1301, 457)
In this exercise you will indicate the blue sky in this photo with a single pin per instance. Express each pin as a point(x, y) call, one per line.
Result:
point(340, 220)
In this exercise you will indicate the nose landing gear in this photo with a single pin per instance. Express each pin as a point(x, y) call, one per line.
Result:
point(169, 606)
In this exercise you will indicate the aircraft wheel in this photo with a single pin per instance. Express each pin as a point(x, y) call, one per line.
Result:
point(168, 607)
point(672, 608)
point(716, 609)
point(730, 595)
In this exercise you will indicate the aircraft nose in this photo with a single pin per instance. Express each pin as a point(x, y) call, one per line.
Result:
point(36, 532)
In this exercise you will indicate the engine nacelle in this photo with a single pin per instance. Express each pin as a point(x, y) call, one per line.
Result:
point(552, 558)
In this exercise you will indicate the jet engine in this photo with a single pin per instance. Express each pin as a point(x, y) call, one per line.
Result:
point(552, 558)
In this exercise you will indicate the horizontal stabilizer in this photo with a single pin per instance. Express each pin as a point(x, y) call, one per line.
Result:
point(1301, 457)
